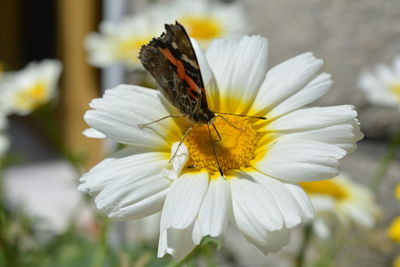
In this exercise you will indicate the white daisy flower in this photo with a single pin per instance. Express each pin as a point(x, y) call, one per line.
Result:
point(120, 42)
point(341, 200)
point(263, 160)
point(22, 91)
point(382, 87)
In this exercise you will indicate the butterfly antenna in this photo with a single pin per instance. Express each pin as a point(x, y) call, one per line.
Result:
point(227, 121)
point(215, 154)
point(240, 115)
point(180, 143)
point(163, 118)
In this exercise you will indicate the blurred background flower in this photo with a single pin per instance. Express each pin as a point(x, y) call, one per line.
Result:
point(382, 86)
point(120, 41)
point(341, 204)
point(23, 91)
point(4, 142)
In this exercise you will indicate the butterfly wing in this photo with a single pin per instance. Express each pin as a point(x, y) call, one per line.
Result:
point(172, 62)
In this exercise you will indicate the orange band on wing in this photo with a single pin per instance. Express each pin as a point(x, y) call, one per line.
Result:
point(181, 73)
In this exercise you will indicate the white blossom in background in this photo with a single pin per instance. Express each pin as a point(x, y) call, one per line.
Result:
point(263, 160)
point(46, 192)
point(4, 141)
point(382, 85)
point(22, 91)
point(340, 204)
point(120, 42)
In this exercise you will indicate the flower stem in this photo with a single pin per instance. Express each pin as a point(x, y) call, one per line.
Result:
point(300, 259)
point(206, 248)
point(384, 165)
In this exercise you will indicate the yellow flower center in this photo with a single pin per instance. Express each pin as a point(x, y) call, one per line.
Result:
point(393, 231)
point(129, 48)
point(202, 27)
point(234, 150)
point(326, 187)
point(31, 97)
point(395, 89)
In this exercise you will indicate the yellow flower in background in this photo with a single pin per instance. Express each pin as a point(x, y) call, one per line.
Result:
point(393, 231)
point(397, 191)
point(396, 262)
point(120, 42)
point(382, 86)
point(22, 91)
point(341, 200)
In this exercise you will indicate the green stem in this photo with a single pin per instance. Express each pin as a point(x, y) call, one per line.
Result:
point(185, 260)
point(384, 165)
point(101, 251)
point(329, 252)
point(7, 246)
point(300, 259)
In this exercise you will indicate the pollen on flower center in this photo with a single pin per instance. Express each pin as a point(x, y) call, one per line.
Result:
point(234, 150)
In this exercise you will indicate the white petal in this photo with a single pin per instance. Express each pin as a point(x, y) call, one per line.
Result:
point(285, 79)
point(323, 202)
point(121, 109)
point(239, 66)
point(321, 229)
point(93, 133)
point(274, 242)
point(313, 118)
point(301, 161)
point(212, 218)
point(301, 198)
point(265, 240)
point(314, 90)
point(120, 165)
point(183, 201)
point(376, 90)
point(178, 160)
point(291, 210)
point(128, 187)
point(396, 65)
point(385, 74)
point(343, 135)
point(254, 207)
point(361, 216)
point(210, 84)
point(148, 202)
point(178, 243)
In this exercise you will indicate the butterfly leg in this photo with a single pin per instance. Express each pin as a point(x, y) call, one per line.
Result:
point(215, 129)
point(215, 154)
point(181, 142)
point(163, 118)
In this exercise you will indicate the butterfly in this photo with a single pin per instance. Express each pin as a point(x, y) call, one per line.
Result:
point(172, 62)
